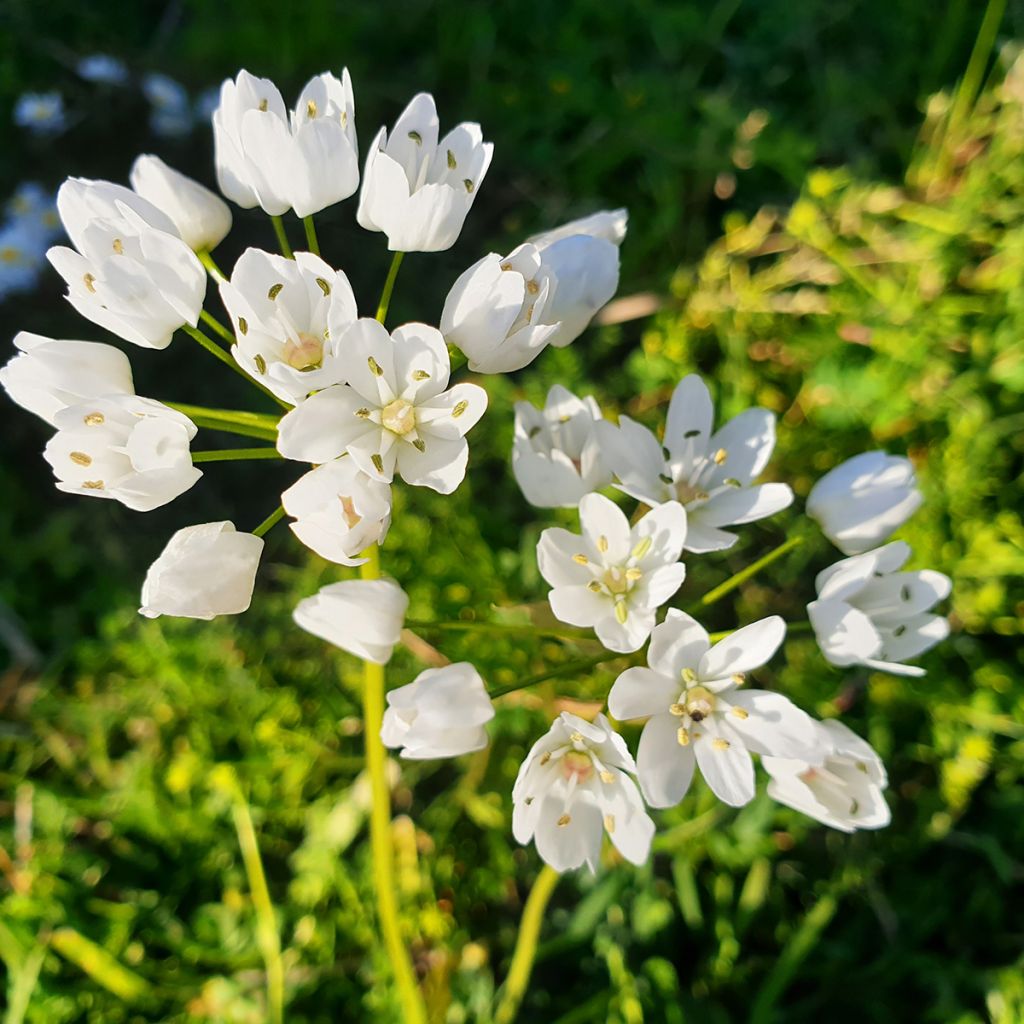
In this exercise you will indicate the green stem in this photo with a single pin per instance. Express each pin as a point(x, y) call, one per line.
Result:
point(751, 570)
point(389, 286)
point(211, 268)
point(214, 349)
point(275, 517)
point(217, 327)
point(311, 239)
point(381, 842)
point(970, 84)
point(509, 628)
point(526, 946)
point(236, 454)
point(282, 238)
point(264, 420)
point(227, 427)
point(267, 937)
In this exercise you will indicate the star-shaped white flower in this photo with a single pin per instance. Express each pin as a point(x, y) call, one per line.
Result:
point(711, 474)
point(574, 787)
point(612, 577)
point(699, 715)
point(395, 414)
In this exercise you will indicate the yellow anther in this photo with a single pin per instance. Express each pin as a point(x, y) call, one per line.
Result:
point(741, 713)
point(633, 575)
point(420, 375)
point(532, 287)
point(263, 106)
point(378, 462)
point(416, 137)
point(89, 280)
point(468, 182)
point(683, 736)
point(642, 547)
point(564, 820)
point(621, 612)
point(719, 744)
point(581, 559)
point(80, 459)
point(689, 676)
point(720, 456)
point(419, 444)
point(460, 408)
point(118, 246)
point(607, 778)
point(374, 367)
point(677, 709)
point(609, 823)
point(545, 758)
point(739, 678)
point(576, 737)
point(261, 363)
point(274, 291)
point(363, 413)
point(94, 419)
point(506, 266)
point(311, 108)
point(595, 586)
point(451, 161)
point(325, 286)
point(243, 325)
point(93, 485)
point(602, 543)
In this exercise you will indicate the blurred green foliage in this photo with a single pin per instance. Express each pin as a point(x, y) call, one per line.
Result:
point(867, 313)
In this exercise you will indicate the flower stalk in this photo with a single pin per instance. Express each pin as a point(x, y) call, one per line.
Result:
point(235, 454)
point(282, 238)
point(218, 353)
point(389, 287)
point(312, 242)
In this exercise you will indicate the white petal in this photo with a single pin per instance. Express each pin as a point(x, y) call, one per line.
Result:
point(725, 764)
point(640, 693)
point(746, 649)
point(606, 527)
point(679, 642)
point(665, 768)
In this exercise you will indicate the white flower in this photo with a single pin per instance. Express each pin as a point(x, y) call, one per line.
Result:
point(864, 500)
point(201, 218)
point(50, 374)
point(612, 577)
point(363, 617)
point(304, 162)
point(504, 310)
point(33, 210)
point(441, 713)
point(573, 787)
point(131, 449)
point(393, 415)
point(870, 613)
point(339, 510)
point(699, 716)
point(843, 788)
point(101, 67)
point(710, 474)
point(289, 316)
point(20, 260)
point(132, 274)
point(204, 571)
point(607, 224)
point(417, 190)
point(42, 113)
point(170, 110)
point(556, 457)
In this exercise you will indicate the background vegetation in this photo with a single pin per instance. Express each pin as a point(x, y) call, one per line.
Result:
point(817, 251)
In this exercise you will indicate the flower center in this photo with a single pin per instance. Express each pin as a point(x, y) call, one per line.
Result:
point(399, 416)
point(700, 702)
point(576, 763)
point(307, 353)
point(618, 580)
point(687, 493)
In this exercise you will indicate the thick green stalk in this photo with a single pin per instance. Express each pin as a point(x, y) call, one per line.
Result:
point(272, 520)
point(312, 242)
point(382, 847)
point(282, 237)
point(751, 570)
point(389, 286)
point(526, 946)
point(211, 268)
point(236, 454)
point(217, 327)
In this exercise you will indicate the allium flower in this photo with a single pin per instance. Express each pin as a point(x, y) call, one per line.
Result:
point(33, 211)
point(556, 457)
point(131, 449)
point(607, 224)
point(575, 786)
point(504, 310)
point(205, 571)
point(42, 113)
point(20, 261)
point(170, 110)
point(304, 162)
point(417, 190)
point(339, 510)
point(612, 577)
point(710, 474)
point(132, 274)
point(441, 713)
point(870, 613)
point(102, 68)
point(394, 414)
point(200, 217)
point(289, 317)
point(363, 617)
point(699, 716)
point(49, 374)
point(843, 788)
point(864, 500)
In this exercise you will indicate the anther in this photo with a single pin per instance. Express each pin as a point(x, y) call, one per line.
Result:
point(581, 559)
point(80, 459)
point(594, 586)
point(416, 137)
point(602, 543)
point(451, 161)
point(311, 108)
point(741, 713)
point(719, 744)
point(720, 456)
point(324, 285)
point(378, 462)
point(689, 676)
point(243, 325)
point(374, 367)
point(468, 182)
point(118, 246)
point(677, 709)
point(419, 444)
point(275, 290)
point(609, 823)
point(420, 375)
point(607, 778)
point(93, 485)
point(683, 736)
point(261, 363)
point(460, 408)
point(564, 820)
point(642, 547)
point(94, 419)
point(89, 280)
point(621, 612)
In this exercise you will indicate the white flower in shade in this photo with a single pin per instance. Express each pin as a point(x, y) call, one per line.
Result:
point(864, 500)
point(394, 414)
point(131, 449)
point(711, 474)
point(612, 577)
point(870, 613)
point(289, 316)
point(416, 189)
point(844, 788)
point(556, 457)
point(339, 510)
point(205, 571)
point(504, 310)
point(132, 274)
point(170, 110)
point(698, 715)
point(363, 617)
point(42, 113)
point(51, 374)
point(574, 787)
point(441, 713)
point(101, 67)
point(305, 161)
point(201, 217)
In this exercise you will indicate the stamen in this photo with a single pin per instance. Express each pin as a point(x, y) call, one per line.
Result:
point(739, 678)
point(275, 290)
point(683, 736)
point(564, 820)
point(595, 586)
point(374, 367)
point(89, 279)
point(363, 413)
point(720, 456)
point(633, 575)
point(420, 375)
point(642, 547)
point(602, 543)
point(677, 709)
point(609, 823)
point(691, 433)
point(243, 325)
point(468, 182)
point(261, 363)
point(689, 676)
point(545, 758)
point(263, 106)
point(416, 137)
point(621, 612)
point(576, 737)
point(741, 713)
point(324, 286)
point(378, 462)
point(581, 559)
point(118, 246)
point(93, 485)
point(80, 459)
point(606, 777)
point(460, 408)
point(419, 444)
point(94, 419)
point(719, 744)
point(532, 287)
point(451, 161)
point(311, 108)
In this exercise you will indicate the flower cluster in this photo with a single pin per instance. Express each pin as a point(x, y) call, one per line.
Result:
point(30, 226)
point(365, 408)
